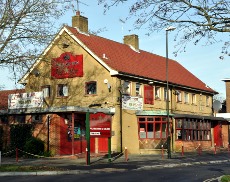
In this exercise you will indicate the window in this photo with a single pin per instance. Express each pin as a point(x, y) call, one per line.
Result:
point(152, 127)
point(46, 91)
point(193, 98)
point(20, 118)
point(91, 88)
point(148, 94)
point(178, 96)
point(186, 97)
point(127, 87)
point(138, 89)
point(157, 92)
point(193, 129)
point(37, 118)
point(62, 90)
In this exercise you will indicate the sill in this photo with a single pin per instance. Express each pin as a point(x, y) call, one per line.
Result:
point(62, 97)
point(88, 95)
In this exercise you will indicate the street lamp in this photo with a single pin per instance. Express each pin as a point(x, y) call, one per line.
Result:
point(167, 92)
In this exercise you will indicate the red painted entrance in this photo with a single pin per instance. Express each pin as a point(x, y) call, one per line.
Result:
point(218, 134)
point(80, 142)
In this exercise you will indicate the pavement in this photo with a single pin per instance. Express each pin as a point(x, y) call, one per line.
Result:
point(118, 163)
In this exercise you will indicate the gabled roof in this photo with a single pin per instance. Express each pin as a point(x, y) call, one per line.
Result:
point(4, 97)
point(123, 59)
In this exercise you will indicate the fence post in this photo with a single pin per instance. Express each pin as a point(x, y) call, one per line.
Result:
point(182, 150)
point(215, 148)
point(16, 154)
point(162, 151)
point(126, 154)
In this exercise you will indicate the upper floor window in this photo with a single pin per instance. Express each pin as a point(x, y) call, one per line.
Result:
point(91, 88)
point(178, 96)
point(46, 91)
point(148, 94)
point(193, 98)
point(186, 97)
point(62, 90)
point(127, 87)
point(157, 92)
point(138, 89)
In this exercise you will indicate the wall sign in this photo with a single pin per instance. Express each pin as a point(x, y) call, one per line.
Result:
point(67, 66)
point(100, 125)
point(25, 100)
point(132, 103)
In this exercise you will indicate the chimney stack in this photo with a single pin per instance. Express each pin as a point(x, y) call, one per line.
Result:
point(80, 22)
point(227, 84)
point(132, 40)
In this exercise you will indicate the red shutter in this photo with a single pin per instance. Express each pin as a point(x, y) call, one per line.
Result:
point(148, 94)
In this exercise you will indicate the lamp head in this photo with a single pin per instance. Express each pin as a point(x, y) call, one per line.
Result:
point(170, 28)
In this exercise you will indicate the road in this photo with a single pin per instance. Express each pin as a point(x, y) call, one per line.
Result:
point(194, 173)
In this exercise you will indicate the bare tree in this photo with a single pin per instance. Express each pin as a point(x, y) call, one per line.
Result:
point(26, 26)
point(195, 20)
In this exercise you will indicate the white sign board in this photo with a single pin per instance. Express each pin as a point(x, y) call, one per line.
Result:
point(25, 100)
point(132, 103)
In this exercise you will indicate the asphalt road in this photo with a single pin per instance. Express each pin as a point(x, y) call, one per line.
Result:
point(196, 173)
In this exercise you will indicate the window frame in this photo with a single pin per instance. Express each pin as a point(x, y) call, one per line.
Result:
point(193, 129)
point(157, 92)
point(148, 94)
point(138, 89)
point(45, 95)
point(150, 129)
point(179, 96)
point(63, 93)
point(186, 97)
point(194, 99)
point(87, 91)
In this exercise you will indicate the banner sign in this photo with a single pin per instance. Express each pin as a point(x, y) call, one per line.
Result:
point(100, 125)
point(132, 103)
point(67, 66)
point(25, 100)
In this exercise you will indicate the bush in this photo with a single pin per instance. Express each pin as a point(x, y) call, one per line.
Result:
point(34, 146)
point(19, 134)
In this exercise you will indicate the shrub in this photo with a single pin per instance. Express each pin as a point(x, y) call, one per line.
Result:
point(19, 134)
point(34, 146)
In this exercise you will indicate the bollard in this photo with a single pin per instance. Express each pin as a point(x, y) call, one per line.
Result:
point(86, 156)
point(16, 154)
point(229, 149)
point(162, 151)
point(199, 149)
point(215, 148)
point(126, 154)
point(0, 158)
point(182, 150)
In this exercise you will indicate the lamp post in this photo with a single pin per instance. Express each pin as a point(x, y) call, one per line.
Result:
point(167, 92)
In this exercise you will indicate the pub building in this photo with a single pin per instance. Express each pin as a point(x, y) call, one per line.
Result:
point(122, 90)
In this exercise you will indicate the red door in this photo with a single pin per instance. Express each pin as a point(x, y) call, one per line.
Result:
point(218, 134)
point(103, 145)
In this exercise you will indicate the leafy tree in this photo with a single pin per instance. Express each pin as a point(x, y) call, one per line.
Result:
point(195, 20)
point(26, 26)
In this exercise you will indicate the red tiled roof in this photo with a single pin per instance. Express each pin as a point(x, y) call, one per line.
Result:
point(4, 97)
point(144, 64)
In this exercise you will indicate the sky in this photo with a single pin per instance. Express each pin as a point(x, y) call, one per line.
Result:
point(202, 61)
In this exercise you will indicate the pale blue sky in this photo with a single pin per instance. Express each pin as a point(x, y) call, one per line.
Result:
point(202, 61)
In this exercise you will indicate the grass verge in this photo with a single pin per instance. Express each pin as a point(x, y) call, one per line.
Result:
point(18, 168)
point(225, 178)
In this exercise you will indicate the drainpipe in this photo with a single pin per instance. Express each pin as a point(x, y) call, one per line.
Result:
point(120, 90)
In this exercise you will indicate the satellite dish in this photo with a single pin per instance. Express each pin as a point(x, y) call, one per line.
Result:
point(217, 105)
